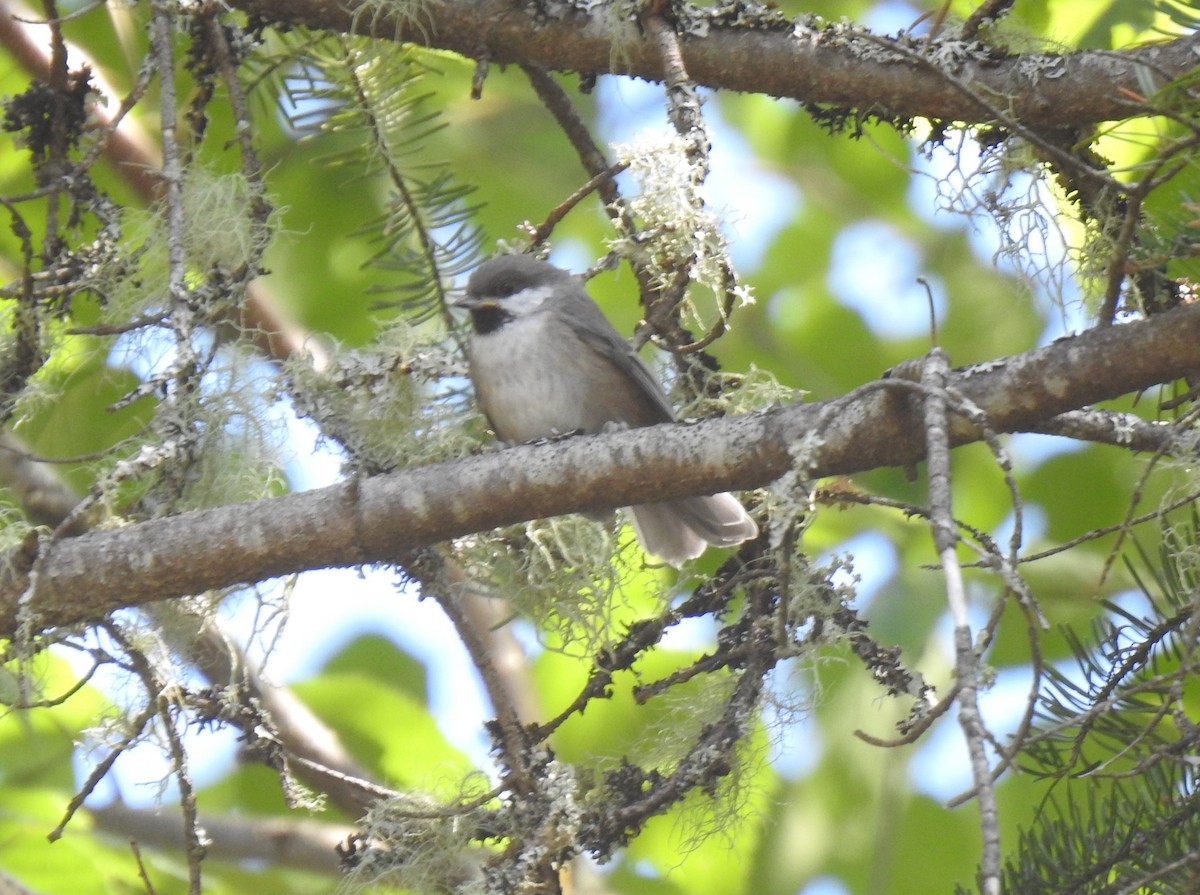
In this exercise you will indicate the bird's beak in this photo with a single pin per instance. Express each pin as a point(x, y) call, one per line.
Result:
point(473, 302)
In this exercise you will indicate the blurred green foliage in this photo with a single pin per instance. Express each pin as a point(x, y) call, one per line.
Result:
point(854, 813)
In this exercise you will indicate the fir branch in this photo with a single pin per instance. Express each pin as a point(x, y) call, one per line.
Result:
point(426, 230)
point(1117, 739)
point(1131, 836)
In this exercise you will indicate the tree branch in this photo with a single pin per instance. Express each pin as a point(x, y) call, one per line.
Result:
point(1123, 430)
point(136, 161)
point(304, 845)
point(379, 519)
point(763, 51)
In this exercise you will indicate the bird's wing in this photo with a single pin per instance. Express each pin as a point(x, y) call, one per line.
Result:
point(594, 329)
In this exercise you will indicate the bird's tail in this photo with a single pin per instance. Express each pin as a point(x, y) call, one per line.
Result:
point(679, 530)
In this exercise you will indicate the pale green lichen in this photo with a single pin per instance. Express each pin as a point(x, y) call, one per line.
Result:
point(226, 230)
point(403, 402)
point(677, 230)
point(574, 575)
point(418, 843)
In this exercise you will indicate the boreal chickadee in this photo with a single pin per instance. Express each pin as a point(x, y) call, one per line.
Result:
point(545, 361)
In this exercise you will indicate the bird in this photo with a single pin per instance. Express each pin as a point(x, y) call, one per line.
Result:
point(544, 361)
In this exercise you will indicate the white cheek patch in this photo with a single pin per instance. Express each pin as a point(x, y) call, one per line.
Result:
point(527, 300)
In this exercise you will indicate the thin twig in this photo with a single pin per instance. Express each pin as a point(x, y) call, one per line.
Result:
point(58, 154)
point(1127, 431)
point(401, 180)
point(161, 704)
point(100, 771)
point(542, 231)
point(141, 866)
point(118, 329)
point(193, 847)
point(172, 170)
point(683, 103)
point(1118, 254)
point(917, 730)
point(993, 112)
point(988, 11)
point(591, 156)
point(1160, 512)
point(1135, 497)
point(683, 109)
point(966, 656)
point(243, 122)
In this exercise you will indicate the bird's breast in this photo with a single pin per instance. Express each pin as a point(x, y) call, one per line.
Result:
point(535, 378)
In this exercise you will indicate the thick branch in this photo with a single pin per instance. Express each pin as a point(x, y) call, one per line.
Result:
point(764, 52)
point(378, 519)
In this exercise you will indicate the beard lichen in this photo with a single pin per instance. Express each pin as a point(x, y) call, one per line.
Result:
point(676, 229)
point(400, 403)
point(562, 573)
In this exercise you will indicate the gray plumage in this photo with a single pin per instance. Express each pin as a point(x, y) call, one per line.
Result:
point(545, 361)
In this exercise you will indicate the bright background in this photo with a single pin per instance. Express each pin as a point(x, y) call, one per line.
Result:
point(832, 234)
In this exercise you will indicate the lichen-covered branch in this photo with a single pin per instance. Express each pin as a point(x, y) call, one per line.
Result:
point(379, 519)
point(759, 50)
